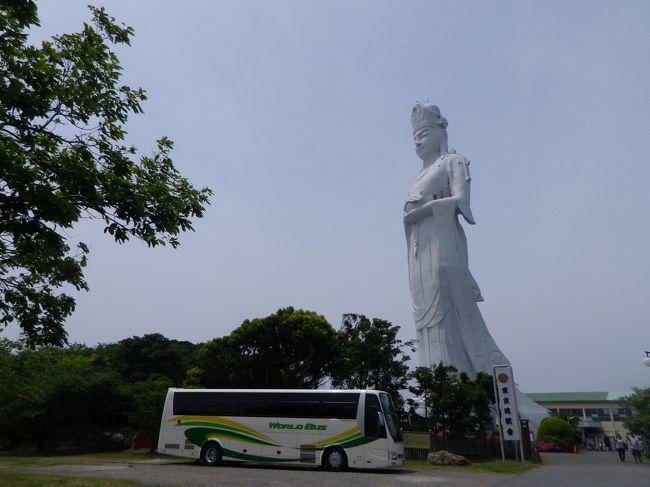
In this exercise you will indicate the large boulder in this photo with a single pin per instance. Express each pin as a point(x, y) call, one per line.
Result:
point(445, 458)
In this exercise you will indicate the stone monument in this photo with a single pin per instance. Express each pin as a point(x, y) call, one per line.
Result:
point(449, 324)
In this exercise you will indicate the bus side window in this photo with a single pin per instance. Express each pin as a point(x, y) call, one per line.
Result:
point(373, 425)
point(188, 402)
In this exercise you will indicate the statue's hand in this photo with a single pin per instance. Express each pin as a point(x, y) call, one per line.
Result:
point(418, 213)
point(413, 202)
point(411, 217)
point(409, 206)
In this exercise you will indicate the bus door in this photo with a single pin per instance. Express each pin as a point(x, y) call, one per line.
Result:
point(375, 427)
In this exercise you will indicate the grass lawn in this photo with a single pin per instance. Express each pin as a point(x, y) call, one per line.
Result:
point(48, 460)
point(494, 466)
point(14, 479)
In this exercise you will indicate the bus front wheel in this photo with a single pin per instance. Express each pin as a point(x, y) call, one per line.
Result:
point(211, 454)
point(335, 459)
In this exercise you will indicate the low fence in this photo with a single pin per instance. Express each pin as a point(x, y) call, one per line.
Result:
point(416, 453)
point(418, 444)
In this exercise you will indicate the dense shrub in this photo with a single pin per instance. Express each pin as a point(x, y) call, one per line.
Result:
point(558, 432)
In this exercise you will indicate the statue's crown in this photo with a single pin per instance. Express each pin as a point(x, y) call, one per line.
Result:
point(427, 116)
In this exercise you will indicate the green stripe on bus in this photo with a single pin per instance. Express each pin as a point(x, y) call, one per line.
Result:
point(199, 436)
point(256, 458)
point(357, 442)
point(348, 442)
point(220, 426)
point(340, 441)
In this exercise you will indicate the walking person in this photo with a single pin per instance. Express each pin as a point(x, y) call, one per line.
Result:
point(635, 446)
point(619, 444)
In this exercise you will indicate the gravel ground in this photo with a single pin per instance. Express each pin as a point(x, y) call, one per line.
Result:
point(263, 476)
point(590, 469)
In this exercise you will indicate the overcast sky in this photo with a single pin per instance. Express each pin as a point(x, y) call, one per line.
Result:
point(296, 114)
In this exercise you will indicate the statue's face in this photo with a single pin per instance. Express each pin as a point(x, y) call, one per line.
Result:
point(428, 141)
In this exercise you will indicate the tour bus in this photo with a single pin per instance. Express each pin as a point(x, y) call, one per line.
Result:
point(335, 429)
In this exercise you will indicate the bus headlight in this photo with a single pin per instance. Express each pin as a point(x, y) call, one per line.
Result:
point(392, 455)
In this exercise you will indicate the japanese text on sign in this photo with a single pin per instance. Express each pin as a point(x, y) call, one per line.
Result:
point(505, 387)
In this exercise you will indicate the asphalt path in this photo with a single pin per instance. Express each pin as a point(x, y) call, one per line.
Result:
point(588, 469)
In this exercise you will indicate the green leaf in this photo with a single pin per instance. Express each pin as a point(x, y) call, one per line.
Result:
point(63, 158)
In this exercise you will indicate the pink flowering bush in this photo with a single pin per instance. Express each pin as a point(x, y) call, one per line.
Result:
point(559, 432)
point(547, 446)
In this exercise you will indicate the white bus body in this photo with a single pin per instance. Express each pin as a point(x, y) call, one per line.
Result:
point(335, 429)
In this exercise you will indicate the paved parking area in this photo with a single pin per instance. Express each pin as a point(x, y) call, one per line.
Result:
point(589, 469)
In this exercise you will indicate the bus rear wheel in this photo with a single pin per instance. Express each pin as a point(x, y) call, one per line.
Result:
point(335, 459)
point(211, 454)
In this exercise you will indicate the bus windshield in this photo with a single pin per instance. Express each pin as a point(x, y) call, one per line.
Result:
point(392, 421)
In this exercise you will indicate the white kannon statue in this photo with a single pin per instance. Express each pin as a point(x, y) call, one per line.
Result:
point(449, 325)
point(450, 328)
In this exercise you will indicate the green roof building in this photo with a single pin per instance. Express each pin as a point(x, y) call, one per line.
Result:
point(598, 415)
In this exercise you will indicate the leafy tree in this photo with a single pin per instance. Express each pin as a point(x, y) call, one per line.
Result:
point(193, 378)
point(138, 358)
point(82, 394)
point(476, 397)
point(371, 356)
point(438, 387)
point(63, 157)
point(289, 349)
point(456, 405)
point(639, 424)
point(146, 401)
point(559, 432)
point(10, 405)
point(51, 389)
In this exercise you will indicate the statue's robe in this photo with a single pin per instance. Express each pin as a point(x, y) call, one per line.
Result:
point(450, 328)
point(449, 325)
